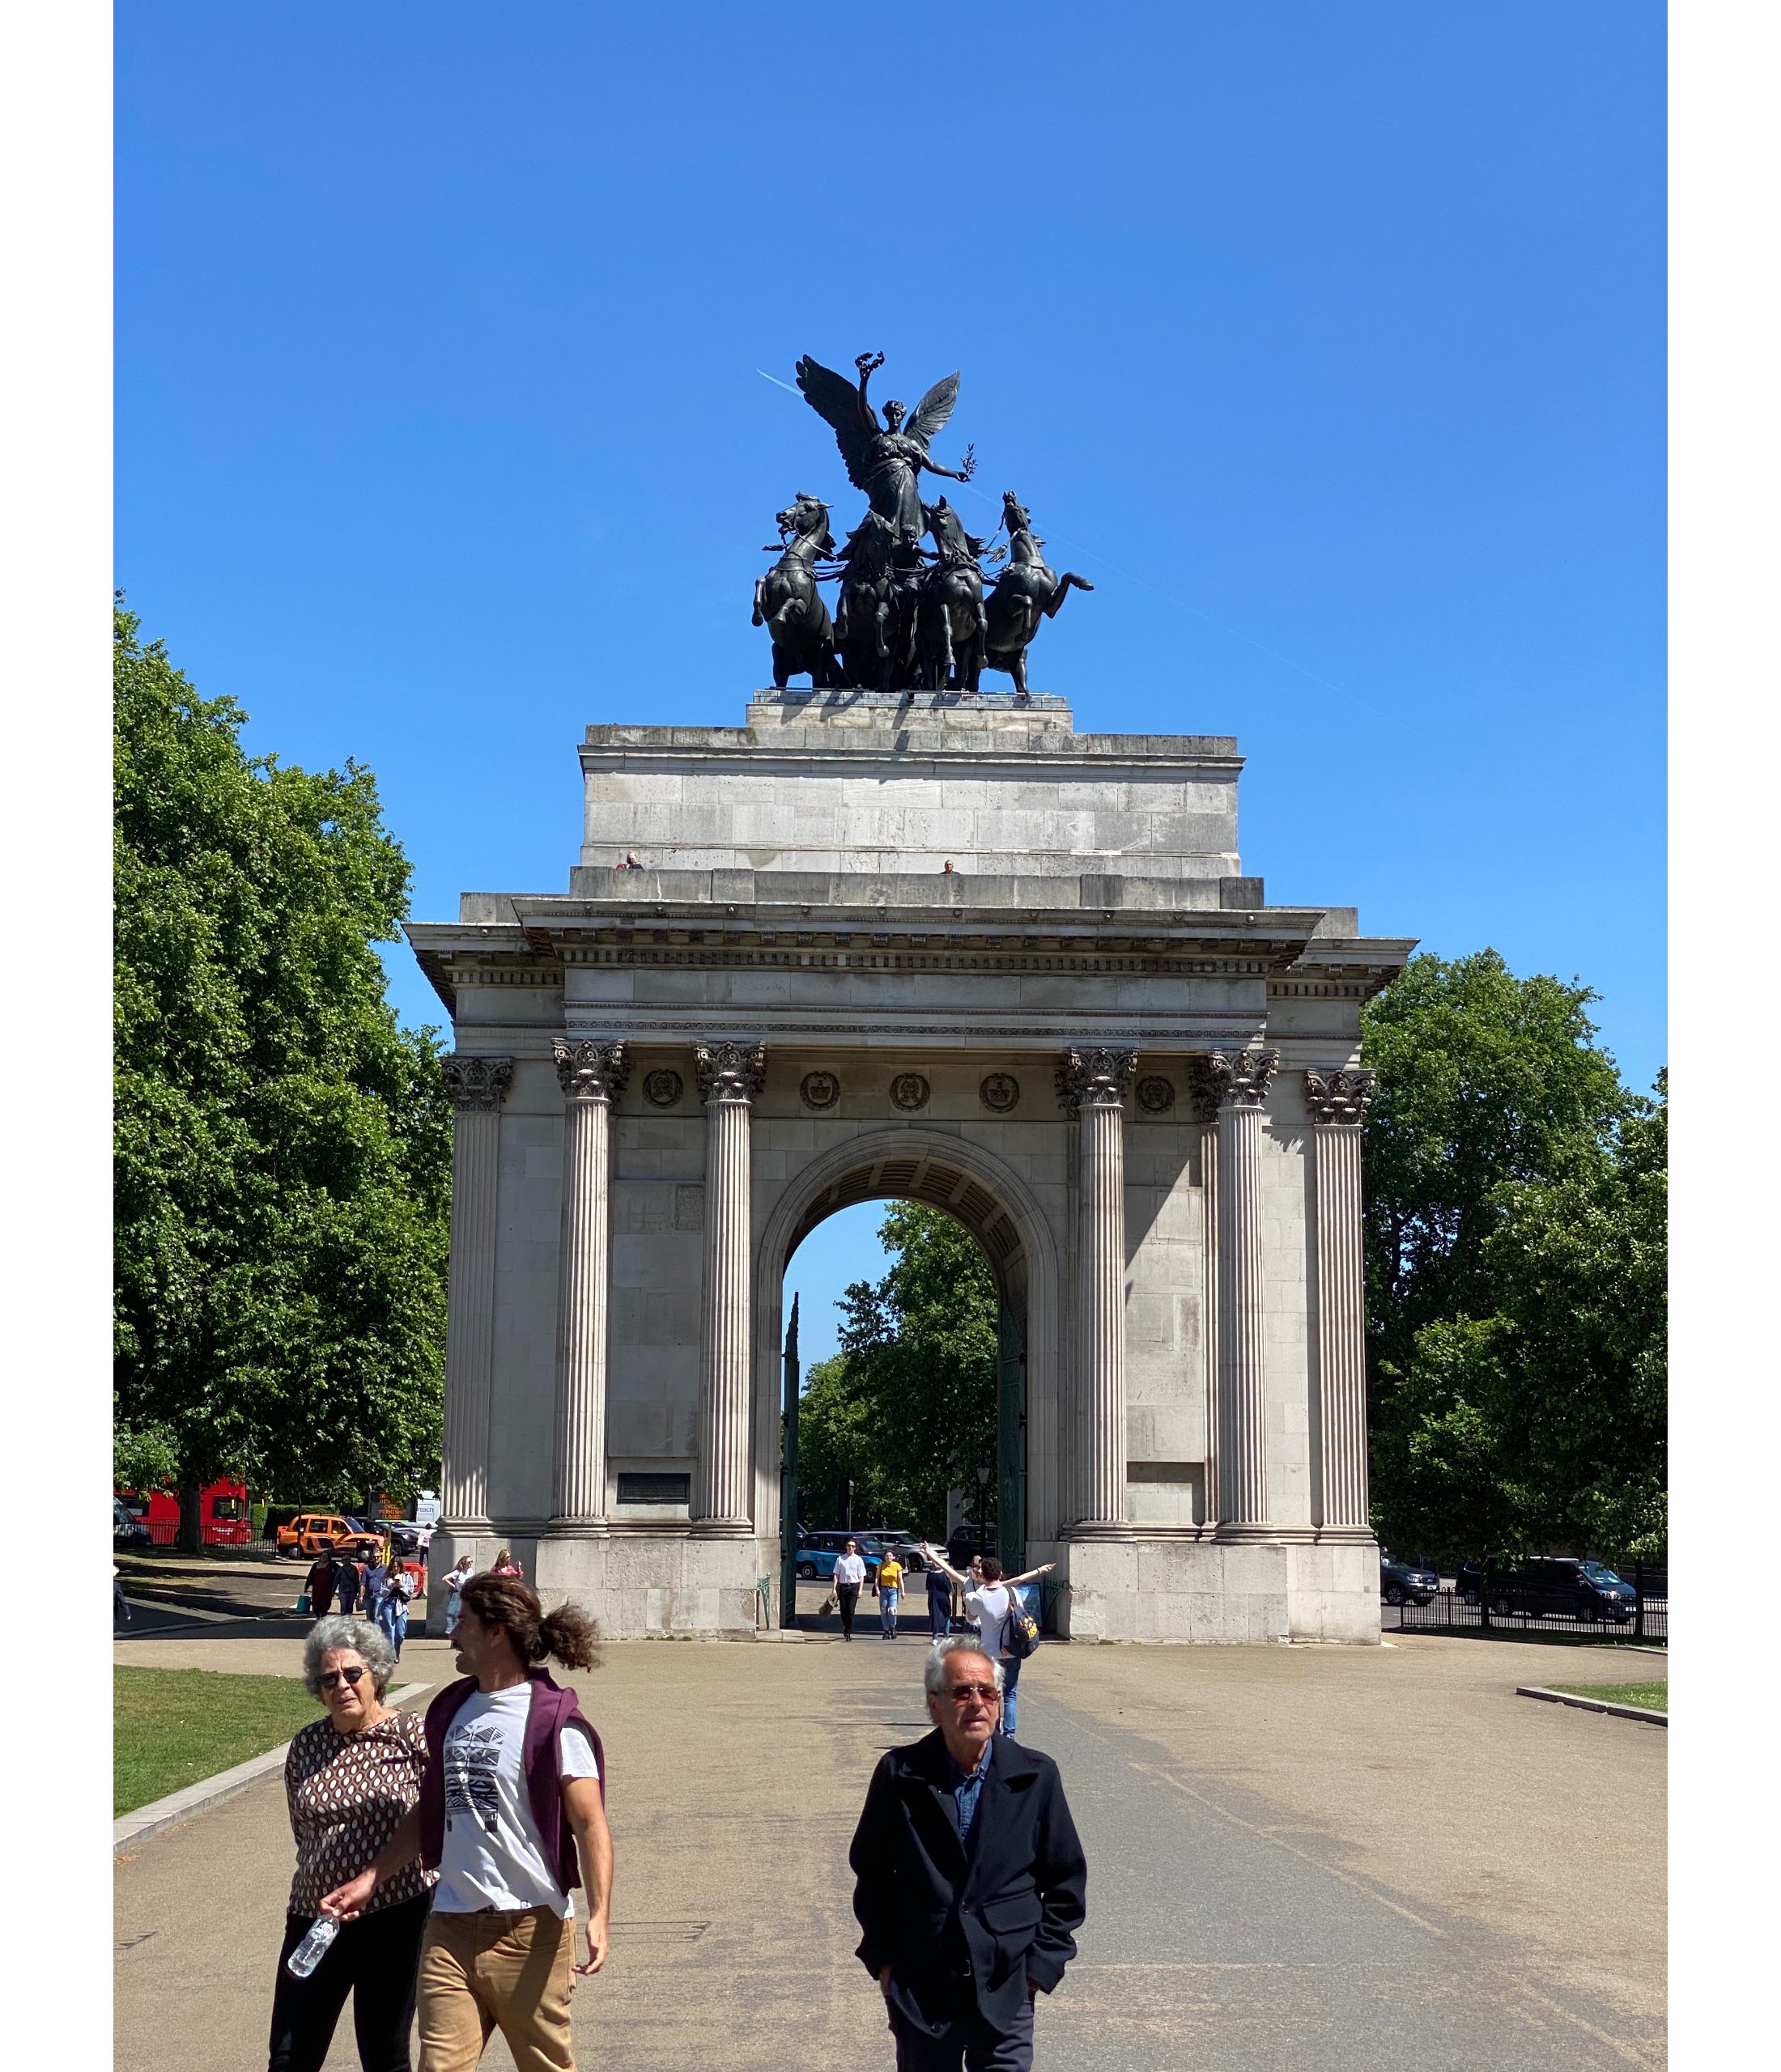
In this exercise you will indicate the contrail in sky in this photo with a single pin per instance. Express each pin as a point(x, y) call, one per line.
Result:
point(786, 385)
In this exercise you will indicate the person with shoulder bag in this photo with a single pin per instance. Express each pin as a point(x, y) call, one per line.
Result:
point(512, 1816)
point(991, 1604)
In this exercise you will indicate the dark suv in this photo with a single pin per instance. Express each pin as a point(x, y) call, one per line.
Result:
point(1555, 1586)
point(1407, 1583)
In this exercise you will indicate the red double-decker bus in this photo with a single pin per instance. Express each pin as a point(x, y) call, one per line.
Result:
point(223, 1518)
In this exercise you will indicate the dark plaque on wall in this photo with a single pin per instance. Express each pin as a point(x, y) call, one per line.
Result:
point(663, 1089)
point(999, 1092)
point(821, 1090)
point(908, 1091)
point(1156, 1095)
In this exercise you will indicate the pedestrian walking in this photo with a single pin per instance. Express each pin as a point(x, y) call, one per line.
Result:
point(969, 1880)
point(399, 1593)
point(888, 1583)
point(320, 1584)
point(989, 1604)
point(512, 1815)
point(455, 1577)
point(849, 1573)
point(348, 1577)
point(349, 1780)
point(119, 1609)
point(939, 1584)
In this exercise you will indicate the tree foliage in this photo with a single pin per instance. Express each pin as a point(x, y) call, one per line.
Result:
point(907, 1406)
point(1516, 1249)
point(282, 1146)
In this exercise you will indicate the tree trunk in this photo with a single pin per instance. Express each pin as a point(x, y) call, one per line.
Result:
point(191, 1537)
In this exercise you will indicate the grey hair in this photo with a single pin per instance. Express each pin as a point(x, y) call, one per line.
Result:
point(360, 1637)
point(933, 1673)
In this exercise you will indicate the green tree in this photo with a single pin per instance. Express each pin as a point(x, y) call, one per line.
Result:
point(1515, 1229)
point(282, 1146)
point(908, 1404)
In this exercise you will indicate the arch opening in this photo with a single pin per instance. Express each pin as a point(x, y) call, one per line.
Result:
point(991, 1205)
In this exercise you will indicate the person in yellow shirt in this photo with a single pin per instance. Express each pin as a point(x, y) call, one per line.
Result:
point(889, 1590)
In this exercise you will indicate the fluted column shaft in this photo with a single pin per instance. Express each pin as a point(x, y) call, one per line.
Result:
point(1338, 1102)
point(1209, 1256)
point(593, 1076)
point(1093, 1083)
point(729, 1076)
point(476, 1087)
point(1241, 1078)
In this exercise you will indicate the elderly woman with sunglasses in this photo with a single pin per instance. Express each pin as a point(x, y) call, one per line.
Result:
point(348, 1779)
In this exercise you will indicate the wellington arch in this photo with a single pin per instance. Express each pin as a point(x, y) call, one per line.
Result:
point(1090, 1040)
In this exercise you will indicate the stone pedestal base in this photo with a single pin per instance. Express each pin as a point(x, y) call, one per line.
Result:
point(634, 1584)
point(1210, 1590)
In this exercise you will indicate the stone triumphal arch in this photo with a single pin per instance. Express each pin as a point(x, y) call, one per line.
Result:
point(941, 948)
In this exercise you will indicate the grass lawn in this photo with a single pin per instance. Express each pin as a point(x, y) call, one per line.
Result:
point(172, 1727)
point(1654, 1697)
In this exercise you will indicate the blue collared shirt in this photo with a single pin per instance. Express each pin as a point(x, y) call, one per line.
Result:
point(968, 1787)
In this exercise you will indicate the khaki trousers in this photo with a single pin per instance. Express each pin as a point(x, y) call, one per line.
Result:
point(481, 1972)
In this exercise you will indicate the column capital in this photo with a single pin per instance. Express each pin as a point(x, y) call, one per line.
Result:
point(729, 1072)
point(1239, 1079)
point(475, 1085)
point(1339, 1096)
point(590, 1070)
point(1096, 1078)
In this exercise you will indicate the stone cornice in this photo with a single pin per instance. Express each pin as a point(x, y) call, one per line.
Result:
point(475, 1085)
point(590, 1070)
point(1241, 1077)
point(729, 1072)
point(1339, 1096)
point(1098, 1077)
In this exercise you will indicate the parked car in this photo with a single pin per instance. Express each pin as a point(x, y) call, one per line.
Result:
point(324, 1532)
point(965, 1544)
point(893, 1539)
point(818, 1552)
point(409, 1539)
point(1550, 1586)
point(1407, 1583)
point(129, 1535)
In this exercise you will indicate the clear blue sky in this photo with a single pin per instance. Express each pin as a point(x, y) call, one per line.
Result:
point(1327, 340)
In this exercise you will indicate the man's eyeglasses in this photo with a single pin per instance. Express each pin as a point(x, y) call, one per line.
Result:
point(330, 1677)
point(959, 1692)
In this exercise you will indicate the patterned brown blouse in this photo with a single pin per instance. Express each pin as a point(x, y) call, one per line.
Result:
point(346, 1792)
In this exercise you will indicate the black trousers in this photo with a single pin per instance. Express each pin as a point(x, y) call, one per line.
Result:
point(969, 2045)
point(373, 1959)
point(846, 1595)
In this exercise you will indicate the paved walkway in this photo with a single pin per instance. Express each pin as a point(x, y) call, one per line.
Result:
point(1368, 1860)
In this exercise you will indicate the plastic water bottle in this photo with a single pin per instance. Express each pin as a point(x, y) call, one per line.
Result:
point(313, 1947)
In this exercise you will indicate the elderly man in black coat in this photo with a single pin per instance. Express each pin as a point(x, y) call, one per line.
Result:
point(969, 1879)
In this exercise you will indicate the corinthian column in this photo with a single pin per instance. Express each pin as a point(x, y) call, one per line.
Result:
point(476, 1088)
point(592, 1076)
point(1338, 1102)
point(1240, 1079)
point(729, 1076)
point(1093, 1083)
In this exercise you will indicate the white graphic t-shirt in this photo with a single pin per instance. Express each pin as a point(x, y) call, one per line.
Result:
point(988, 1606)
point(494, 1856)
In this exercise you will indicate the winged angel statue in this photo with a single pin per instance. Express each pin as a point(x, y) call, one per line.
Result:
point(905, 619)
point(885, 461)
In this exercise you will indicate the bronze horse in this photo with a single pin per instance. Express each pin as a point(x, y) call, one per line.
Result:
point(787, 603)
point(1025, 592)
point(872, 616)
point(950, 629)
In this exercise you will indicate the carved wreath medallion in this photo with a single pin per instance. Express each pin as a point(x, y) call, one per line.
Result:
point(999, 1092)
point(662, 1088)
point(909, 1092)
point(1156, 1094)
point(820, 1089)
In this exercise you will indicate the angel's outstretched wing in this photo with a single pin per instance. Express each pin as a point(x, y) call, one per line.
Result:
point(836, 399)
point(930, 415)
